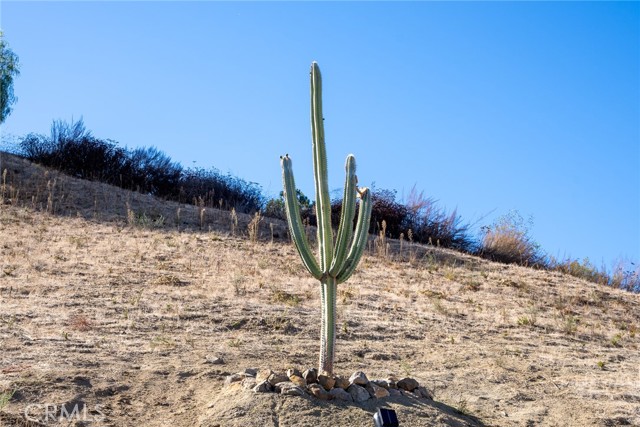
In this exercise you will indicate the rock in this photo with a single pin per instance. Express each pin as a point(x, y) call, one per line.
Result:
point(382, 383)
point(276, 378)
point(359, 378)
point(263, 375)
point(341, 394)
point(249, 383)
point(341, 382)
point(310, 375)
point(289, 389)
point(326, 380)
point(376, 391)
point(234, 378)
point(212, 360)
point(249, 372)
point(358, 393)
point(408, 384)
point(319, 392)
point(278, 387)
point(263, 387)
point(324, 386)
point(394, 392)
point(294, 391)
point(298, 380)
point(292, 372)
point(423, 392)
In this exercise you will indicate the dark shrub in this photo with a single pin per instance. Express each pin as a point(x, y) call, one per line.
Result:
point(37, 148)
point(73, 150)
point(153, 172)
point(211, 188)
point(433, 225)
point(275, 207)
point(428, 223)
point(385, 208)
point(436, 227)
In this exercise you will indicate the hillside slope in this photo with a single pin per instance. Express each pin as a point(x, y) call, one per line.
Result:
point(114, 301)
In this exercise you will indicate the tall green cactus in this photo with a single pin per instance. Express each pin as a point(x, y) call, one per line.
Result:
point(337, 262)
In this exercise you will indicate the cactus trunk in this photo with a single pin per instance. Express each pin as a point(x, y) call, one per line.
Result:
point(328, 291)
point(337, 262)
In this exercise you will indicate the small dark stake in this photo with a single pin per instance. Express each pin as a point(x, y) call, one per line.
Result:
point(385, 418)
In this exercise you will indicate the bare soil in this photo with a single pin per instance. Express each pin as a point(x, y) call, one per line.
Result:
point(114, 301)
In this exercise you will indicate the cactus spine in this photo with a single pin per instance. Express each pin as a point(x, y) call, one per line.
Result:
point(337, 261)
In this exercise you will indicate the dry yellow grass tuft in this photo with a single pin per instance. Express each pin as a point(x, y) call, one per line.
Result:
point(123, 317)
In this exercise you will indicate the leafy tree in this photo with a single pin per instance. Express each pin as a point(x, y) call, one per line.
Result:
point(8, 70)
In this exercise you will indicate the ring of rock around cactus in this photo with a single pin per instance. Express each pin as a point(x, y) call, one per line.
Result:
point(324, 386)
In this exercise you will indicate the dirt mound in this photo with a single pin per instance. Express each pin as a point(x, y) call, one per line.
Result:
point(120, 319)
point(235, 407)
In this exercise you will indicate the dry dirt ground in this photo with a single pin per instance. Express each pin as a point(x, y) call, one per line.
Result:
point(113, 301)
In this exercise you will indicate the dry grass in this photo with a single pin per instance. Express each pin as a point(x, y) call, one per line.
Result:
point(122, 317)
point(509, 245)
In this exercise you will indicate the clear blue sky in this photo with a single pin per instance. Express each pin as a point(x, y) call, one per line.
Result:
point(487, 107)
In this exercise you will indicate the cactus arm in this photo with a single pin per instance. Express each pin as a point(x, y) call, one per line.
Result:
point(345, 230)
point(360, 238)
point(295, 223)
point(323, 203)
